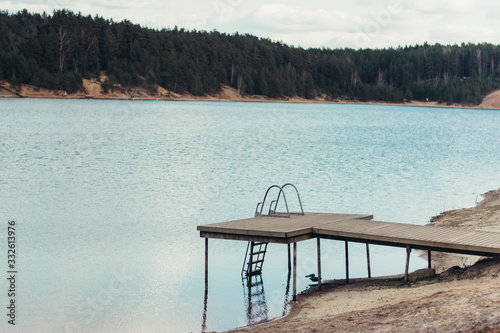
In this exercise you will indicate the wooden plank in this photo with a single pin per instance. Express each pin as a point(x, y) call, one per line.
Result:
point(412, 232)
point(248, 238)
point(491, 239)
point(472, 239)
point(401, 240)
point(278, 226)
point(353, 227)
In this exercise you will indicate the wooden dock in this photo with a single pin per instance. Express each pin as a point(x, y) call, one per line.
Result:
point(350, 228)
point(275, 229)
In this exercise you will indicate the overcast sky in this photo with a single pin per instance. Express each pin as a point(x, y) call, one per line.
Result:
point(312, 23)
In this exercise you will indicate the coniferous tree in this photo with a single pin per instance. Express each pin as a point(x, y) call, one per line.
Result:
point(56, 51)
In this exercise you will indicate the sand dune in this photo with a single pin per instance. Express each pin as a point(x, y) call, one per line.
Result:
point(492, 101)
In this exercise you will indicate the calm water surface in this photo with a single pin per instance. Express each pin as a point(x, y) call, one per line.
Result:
point(107, 196)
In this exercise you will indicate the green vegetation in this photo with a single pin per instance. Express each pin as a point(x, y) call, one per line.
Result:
point(56, 51)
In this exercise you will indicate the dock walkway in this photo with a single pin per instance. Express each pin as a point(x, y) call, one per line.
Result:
point(351, 228)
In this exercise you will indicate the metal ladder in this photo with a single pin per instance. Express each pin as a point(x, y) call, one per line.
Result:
point(254, 258)
point(256, 251)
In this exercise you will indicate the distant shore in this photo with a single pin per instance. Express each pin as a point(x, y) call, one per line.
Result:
point(92, 90)
point(462, 297)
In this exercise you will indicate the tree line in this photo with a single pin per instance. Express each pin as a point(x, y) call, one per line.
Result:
point(57, 51)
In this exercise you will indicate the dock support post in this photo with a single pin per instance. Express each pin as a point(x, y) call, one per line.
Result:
point(294, 271)
point(250, 261)
point(429, 259)
point(346, 262)
point(289, 259)
point(206, 265)
point(319, 264)
point(368, 260)
point(407, 267)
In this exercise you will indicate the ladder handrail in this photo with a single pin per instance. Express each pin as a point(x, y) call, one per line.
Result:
point(271, 208)
point(298, 196)
point(257, 209)
point(245, 261)
point(284, 198)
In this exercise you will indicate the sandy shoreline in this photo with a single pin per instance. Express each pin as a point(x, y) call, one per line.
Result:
point(92, 90)
point(463, 296)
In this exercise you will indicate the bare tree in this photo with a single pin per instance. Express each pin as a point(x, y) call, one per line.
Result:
point(89, 41)
point(241, 85)
point(479, 62)
point(64, 47)
point(232, 73)
point(354, 78)
point(380, 77)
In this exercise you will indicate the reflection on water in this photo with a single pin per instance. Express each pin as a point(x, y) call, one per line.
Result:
point(204, 321)
point(287, 291)
point(255, 299)
point(256, 304)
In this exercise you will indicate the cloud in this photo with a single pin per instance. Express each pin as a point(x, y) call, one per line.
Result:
point(445, 7)
point(373, 24)
point(458, 33)
point(316, 23)
point(364, 2)
point(115, 4)
point(283, 18)
point(494, 12)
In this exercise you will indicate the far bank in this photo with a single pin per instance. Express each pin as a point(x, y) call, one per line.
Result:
point(92, 90)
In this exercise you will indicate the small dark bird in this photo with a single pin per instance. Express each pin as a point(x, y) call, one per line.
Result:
point(312, 277)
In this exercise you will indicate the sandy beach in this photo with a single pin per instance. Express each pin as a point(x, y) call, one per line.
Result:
point(462, 297)
point(92, 90)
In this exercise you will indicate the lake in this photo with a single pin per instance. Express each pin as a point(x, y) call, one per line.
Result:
point(106, 196)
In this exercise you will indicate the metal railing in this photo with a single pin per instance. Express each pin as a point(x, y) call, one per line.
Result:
point(274, 212)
